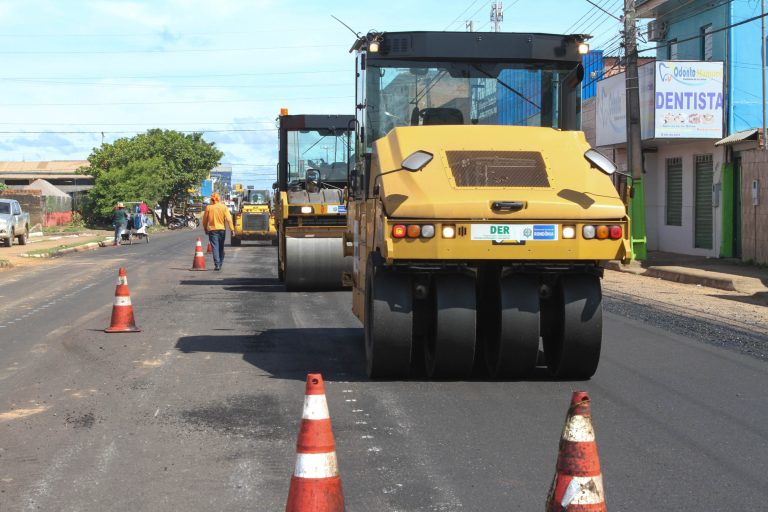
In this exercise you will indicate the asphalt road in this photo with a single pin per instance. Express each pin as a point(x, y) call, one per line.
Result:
point(200, 410)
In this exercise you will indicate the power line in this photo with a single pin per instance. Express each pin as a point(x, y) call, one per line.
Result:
point(161, 52)
point(713, 31)
point(606, 12)
point(190, 102)
point(36, 82)
point(571, 28)
point(111, 132)
point(207, 75)
point(462, 14)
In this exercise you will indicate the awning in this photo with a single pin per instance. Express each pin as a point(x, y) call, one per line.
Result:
point(739, 137)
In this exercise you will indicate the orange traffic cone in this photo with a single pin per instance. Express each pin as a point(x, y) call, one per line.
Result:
point(210, 248)
point(316, 484)
point(578, 483)
point(199, 262)
point(122, 310)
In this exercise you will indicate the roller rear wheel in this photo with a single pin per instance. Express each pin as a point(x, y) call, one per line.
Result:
point(450, 344)
point(388, 322)
point(512, 332)
point(574, 330)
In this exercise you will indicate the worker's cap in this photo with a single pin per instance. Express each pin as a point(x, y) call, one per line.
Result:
point(120, 205)
point(215, 197)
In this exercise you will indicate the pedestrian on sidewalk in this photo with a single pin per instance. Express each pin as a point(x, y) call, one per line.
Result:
point(119, 221)
point(215, 220)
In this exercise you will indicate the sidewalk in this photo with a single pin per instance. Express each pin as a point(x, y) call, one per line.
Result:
point(722, 273)
point(88, 239)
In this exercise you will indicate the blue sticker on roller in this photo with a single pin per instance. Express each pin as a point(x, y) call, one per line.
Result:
point(544, 232)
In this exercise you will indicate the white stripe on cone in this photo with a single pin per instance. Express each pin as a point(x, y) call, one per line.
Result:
point(122, 301)
point(316, 465)
point(315, 408)
point(199, 253)
point(584, 490)
point(122, 280)
point(579, 430)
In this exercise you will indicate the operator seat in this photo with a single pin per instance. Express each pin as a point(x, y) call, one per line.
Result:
point(442, 115)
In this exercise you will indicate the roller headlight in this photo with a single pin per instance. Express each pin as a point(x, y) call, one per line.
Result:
point(428, 231)
point(449, 231)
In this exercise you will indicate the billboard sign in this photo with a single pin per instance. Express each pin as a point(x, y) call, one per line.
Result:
point(688, 100)
point(611, 122)
point(206, 189)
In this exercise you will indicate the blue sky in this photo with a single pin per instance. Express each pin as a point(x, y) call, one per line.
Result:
point(73, 70)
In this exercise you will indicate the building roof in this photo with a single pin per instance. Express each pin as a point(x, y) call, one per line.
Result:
point(28, 175)
point(49, 167)
point(751, 134)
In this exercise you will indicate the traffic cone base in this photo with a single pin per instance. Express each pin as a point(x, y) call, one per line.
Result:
point(315, 484)
point(122, 308)
point(198, 263)
point(210, 248)
point(578, 482)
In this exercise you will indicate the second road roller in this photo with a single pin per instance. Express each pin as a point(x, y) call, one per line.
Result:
point(479, 216)
point(310, 200)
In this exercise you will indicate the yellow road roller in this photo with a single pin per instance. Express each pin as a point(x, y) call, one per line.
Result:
point(254, 219)
point(310, 200)
point(479, 217)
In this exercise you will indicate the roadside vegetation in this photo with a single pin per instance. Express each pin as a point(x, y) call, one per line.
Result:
point(157, 167)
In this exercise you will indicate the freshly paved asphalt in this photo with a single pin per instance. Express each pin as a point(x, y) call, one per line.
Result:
point(200, 410)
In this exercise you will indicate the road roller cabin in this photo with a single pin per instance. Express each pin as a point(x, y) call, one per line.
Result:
point(310, 200)
point(479, 216)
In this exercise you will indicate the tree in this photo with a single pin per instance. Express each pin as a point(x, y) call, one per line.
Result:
point(3, 186)
point(158, 166)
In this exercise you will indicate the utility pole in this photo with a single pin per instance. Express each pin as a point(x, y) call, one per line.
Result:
point(634, 139)
point(762, 66)
point(497, 16)
point(469, 25)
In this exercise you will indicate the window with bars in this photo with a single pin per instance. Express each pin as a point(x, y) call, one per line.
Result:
point(706, 42)
point(674, 207)
point(672, 53)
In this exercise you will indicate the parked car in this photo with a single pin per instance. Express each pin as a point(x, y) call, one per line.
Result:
point(14, 223)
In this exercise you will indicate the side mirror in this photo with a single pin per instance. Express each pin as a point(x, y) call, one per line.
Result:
point(416, 161)
point(274, 186)
point(600, 161)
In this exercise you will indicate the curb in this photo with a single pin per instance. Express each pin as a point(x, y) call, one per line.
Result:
point(69, 250)
point(679, 275)
point(689, 278)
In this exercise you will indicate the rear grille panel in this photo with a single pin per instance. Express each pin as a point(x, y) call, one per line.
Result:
point(317, 221)
point(498, 169)
point(255, 221)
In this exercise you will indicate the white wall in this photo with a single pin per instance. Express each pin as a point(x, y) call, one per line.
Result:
point(680, 239)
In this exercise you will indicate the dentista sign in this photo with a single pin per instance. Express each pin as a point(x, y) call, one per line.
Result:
point(688, 100)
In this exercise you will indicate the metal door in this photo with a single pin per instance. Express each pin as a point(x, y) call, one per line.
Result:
point(703, 215)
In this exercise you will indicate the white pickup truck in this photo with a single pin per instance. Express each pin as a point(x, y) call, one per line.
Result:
point(13, 223)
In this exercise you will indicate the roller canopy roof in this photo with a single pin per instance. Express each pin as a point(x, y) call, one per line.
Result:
point(316, 122)
point(478, 46)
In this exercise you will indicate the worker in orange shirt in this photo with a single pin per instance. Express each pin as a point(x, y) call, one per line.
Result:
point(215, 220)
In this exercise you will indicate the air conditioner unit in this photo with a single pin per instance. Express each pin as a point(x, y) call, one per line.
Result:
point(657, 30)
